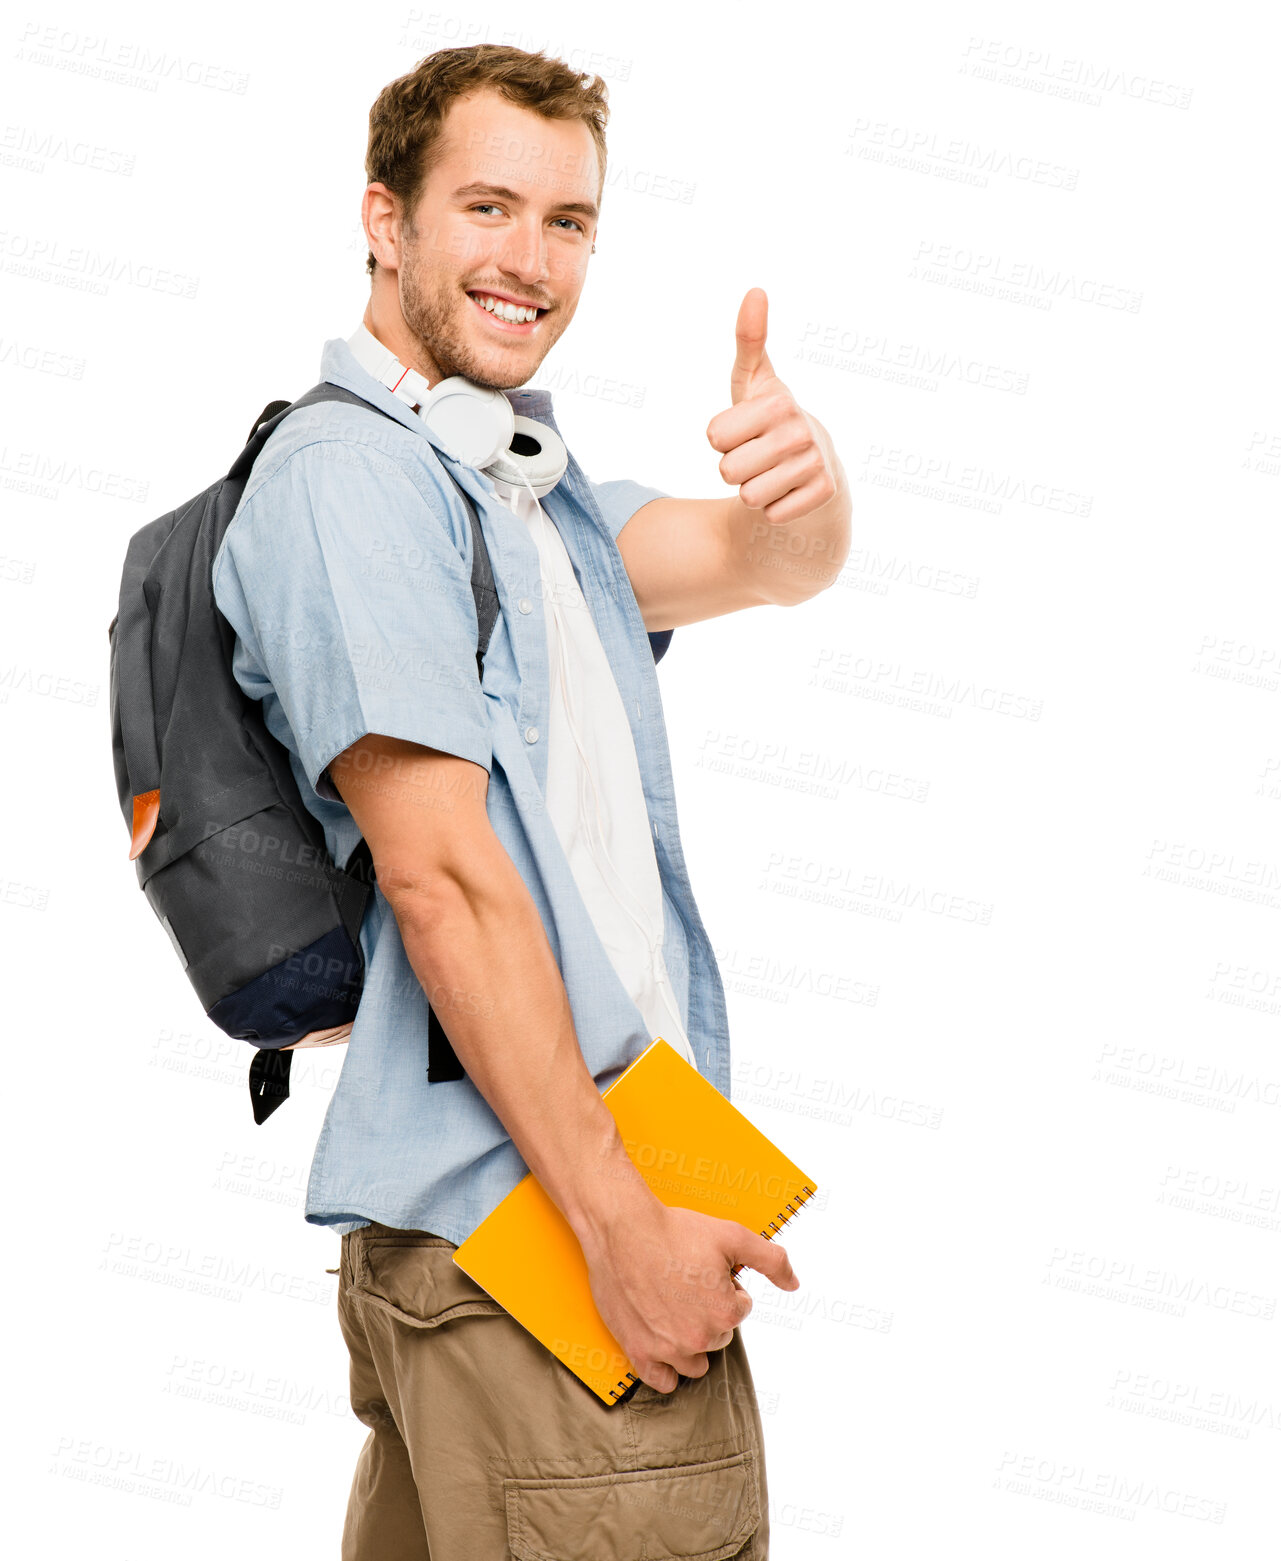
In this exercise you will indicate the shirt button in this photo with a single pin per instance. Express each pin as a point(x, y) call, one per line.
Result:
point(525, 604)
point(531, 734)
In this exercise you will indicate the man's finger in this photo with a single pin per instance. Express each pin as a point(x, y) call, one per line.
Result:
point(659, 1376)
point(750, 1250)
point(749, 333)
point(737, 424)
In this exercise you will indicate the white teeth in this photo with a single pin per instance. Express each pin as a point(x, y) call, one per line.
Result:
point(515, 314)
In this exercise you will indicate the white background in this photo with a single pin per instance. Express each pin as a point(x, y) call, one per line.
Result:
point(986, 835)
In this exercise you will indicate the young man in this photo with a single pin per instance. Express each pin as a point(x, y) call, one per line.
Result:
point(531, 882)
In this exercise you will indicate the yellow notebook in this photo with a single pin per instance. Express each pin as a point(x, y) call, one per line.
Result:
point(694, 1149)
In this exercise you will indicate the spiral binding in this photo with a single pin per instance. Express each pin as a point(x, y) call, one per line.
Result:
point(792, 1207)
point(801, 1199)
point(622, 1385)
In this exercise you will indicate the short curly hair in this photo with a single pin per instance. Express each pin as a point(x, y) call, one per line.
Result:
point(406, 119)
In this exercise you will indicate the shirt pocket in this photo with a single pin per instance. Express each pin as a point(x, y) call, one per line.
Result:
point(692, 1511)
point(413, 1277)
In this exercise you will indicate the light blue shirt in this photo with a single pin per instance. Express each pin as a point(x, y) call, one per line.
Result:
point(346, 574)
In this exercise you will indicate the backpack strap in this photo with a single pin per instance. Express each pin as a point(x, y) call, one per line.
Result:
point(483, 590)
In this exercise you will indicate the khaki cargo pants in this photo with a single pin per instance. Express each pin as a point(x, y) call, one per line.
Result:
point(483, 1446)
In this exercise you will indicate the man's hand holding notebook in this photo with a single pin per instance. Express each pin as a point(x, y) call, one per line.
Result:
point(642, 1285)
point(663, 1281)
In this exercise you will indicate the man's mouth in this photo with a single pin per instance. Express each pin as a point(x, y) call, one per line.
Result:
point(512, 316)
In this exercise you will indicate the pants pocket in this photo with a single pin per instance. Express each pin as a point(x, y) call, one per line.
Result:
point(412, 1276)
point(692, 1511)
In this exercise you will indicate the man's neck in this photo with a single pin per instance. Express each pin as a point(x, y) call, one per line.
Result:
point(384, 320)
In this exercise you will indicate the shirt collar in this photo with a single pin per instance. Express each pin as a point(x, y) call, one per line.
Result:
point(338, 366)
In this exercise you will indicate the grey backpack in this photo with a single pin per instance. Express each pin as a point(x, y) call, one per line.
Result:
point(265, 922)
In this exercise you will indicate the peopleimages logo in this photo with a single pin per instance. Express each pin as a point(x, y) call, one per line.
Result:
point(159, 1477)
point(87, 269)
point(126, 64)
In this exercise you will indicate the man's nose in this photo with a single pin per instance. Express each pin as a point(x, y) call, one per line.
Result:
point(525, 253)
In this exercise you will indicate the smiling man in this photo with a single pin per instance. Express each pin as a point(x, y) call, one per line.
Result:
point(531, 885)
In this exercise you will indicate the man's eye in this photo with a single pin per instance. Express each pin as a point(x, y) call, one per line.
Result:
point(490, 206)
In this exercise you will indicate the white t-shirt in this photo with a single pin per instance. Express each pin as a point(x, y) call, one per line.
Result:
point(594, 795)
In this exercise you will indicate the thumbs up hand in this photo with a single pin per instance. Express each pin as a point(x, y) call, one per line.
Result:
point(774, 452)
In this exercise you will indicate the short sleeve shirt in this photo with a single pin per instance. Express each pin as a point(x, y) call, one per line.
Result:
point(345, 574)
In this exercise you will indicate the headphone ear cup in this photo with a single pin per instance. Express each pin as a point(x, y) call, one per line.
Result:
point(535, 450)
point(475, 423)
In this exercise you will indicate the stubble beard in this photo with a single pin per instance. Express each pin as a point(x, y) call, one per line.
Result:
point(430, 301)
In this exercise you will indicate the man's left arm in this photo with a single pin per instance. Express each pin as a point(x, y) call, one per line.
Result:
point(781, 540)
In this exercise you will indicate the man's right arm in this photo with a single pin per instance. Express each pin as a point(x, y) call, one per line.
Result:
point(475, 940)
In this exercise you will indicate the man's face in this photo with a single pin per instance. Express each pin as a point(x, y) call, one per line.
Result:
point(507, 215)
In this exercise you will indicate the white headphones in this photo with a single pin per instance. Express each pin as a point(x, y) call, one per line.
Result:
point(475, 424)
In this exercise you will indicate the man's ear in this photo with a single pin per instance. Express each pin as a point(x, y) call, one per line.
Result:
point(379, 212)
